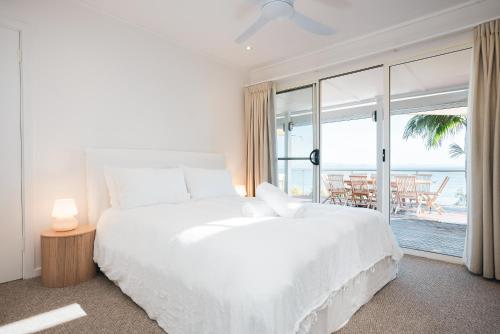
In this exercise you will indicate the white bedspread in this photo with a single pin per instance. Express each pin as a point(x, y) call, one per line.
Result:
point(201, 267)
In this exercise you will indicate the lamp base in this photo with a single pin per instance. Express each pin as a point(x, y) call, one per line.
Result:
point(65, 224)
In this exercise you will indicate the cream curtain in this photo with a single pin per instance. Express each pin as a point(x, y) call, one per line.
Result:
point(259, 136)
point(483, 235)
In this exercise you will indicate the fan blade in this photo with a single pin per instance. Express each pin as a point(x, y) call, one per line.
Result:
point(252, 29)
point(311, 25)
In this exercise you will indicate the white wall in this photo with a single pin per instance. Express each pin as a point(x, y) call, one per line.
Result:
point(92, 81)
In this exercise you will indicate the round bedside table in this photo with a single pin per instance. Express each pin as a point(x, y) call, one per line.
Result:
point(67, 257)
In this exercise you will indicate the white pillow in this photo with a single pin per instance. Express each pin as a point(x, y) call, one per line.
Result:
point(133, 187)
point(255, 207)
point(279, 201)
point(205, 183)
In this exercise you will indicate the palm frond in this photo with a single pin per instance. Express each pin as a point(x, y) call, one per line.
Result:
point(433, 129)
point(455, 150)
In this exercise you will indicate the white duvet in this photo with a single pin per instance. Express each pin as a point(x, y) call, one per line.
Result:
point(201, 267)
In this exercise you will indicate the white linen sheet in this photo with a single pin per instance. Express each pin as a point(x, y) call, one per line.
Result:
point(201, 267)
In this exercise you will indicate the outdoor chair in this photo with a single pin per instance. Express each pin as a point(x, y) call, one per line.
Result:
point(430, 198)
point(360, 192)
point(337, 193)
point(425, 182)
point(372, 186)
point(406, 193)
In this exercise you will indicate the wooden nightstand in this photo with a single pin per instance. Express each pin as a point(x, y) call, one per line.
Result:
point(67, 257)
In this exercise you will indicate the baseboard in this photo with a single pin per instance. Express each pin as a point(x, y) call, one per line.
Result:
point(34, 273)
point(434, 256)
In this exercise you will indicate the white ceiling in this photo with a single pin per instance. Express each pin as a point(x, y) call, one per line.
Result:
point(210, 27)
point(431, 75)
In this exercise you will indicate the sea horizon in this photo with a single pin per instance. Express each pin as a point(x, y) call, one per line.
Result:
point(453, 194)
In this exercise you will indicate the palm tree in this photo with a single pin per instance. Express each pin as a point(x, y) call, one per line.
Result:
point(433, 129)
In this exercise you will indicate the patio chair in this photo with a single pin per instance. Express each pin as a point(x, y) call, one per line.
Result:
point(425, 182)
point(406, 193)
point(372, 187)
point(360, 192)
point(393, 193)
point(430, 198)
point(337, 193)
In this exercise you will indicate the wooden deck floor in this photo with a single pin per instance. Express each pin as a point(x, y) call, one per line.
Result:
point(429, 235)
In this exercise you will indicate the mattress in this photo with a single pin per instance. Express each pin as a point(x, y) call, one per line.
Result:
point(200, 266)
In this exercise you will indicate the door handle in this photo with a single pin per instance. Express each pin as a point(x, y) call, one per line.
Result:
point(314, 157)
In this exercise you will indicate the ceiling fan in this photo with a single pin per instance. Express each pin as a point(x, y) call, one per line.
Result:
point(283, 9)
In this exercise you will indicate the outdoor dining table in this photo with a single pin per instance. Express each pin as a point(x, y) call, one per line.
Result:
point(372, 181)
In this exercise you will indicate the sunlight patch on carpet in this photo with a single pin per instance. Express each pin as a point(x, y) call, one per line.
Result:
point(44, 320)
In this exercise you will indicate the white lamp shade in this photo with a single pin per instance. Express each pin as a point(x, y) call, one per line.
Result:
point(64, 208)
point(241, 190)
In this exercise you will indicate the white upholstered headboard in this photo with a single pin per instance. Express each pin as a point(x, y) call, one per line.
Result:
point(97, 159)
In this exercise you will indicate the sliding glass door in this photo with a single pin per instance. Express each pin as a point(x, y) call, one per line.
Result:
point(349, 107)
point(296, 146)
point(346, 121)
point(428, 118)
point(392, 138)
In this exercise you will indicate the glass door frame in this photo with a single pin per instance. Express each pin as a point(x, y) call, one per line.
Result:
point(379, 140)
point(316, 125)
point(383, 124)
point(386, 135)
point(315, 136)
point(383, 133)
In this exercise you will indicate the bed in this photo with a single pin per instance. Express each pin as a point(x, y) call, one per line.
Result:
point(202, 267)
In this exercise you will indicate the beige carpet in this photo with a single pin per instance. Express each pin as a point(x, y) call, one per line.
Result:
point(427, 297)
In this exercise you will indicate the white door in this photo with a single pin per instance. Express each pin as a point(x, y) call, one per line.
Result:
point(11, 226)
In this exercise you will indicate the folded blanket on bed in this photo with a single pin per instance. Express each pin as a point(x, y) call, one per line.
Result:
point(257, 208)
point(279, 201)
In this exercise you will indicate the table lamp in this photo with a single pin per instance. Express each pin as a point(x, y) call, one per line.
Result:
point(241, 190)
point(63, 213)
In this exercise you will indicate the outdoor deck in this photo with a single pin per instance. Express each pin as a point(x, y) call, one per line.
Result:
point(444, 234)
point(414, 225)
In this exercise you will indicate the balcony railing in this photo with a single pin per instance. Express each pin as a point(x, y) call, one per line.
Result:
point(300, 181)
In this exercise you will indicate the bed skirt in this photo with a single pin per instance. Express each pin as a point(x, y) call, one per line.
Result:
point(327, 318)
point(342, 304)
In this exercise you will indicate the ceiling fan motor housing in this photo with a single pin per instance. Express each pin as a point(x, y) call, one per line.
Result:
point(277, 9)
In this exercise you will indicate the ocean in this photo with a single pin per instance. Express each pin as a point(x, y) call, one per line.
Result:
point(454, 193)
